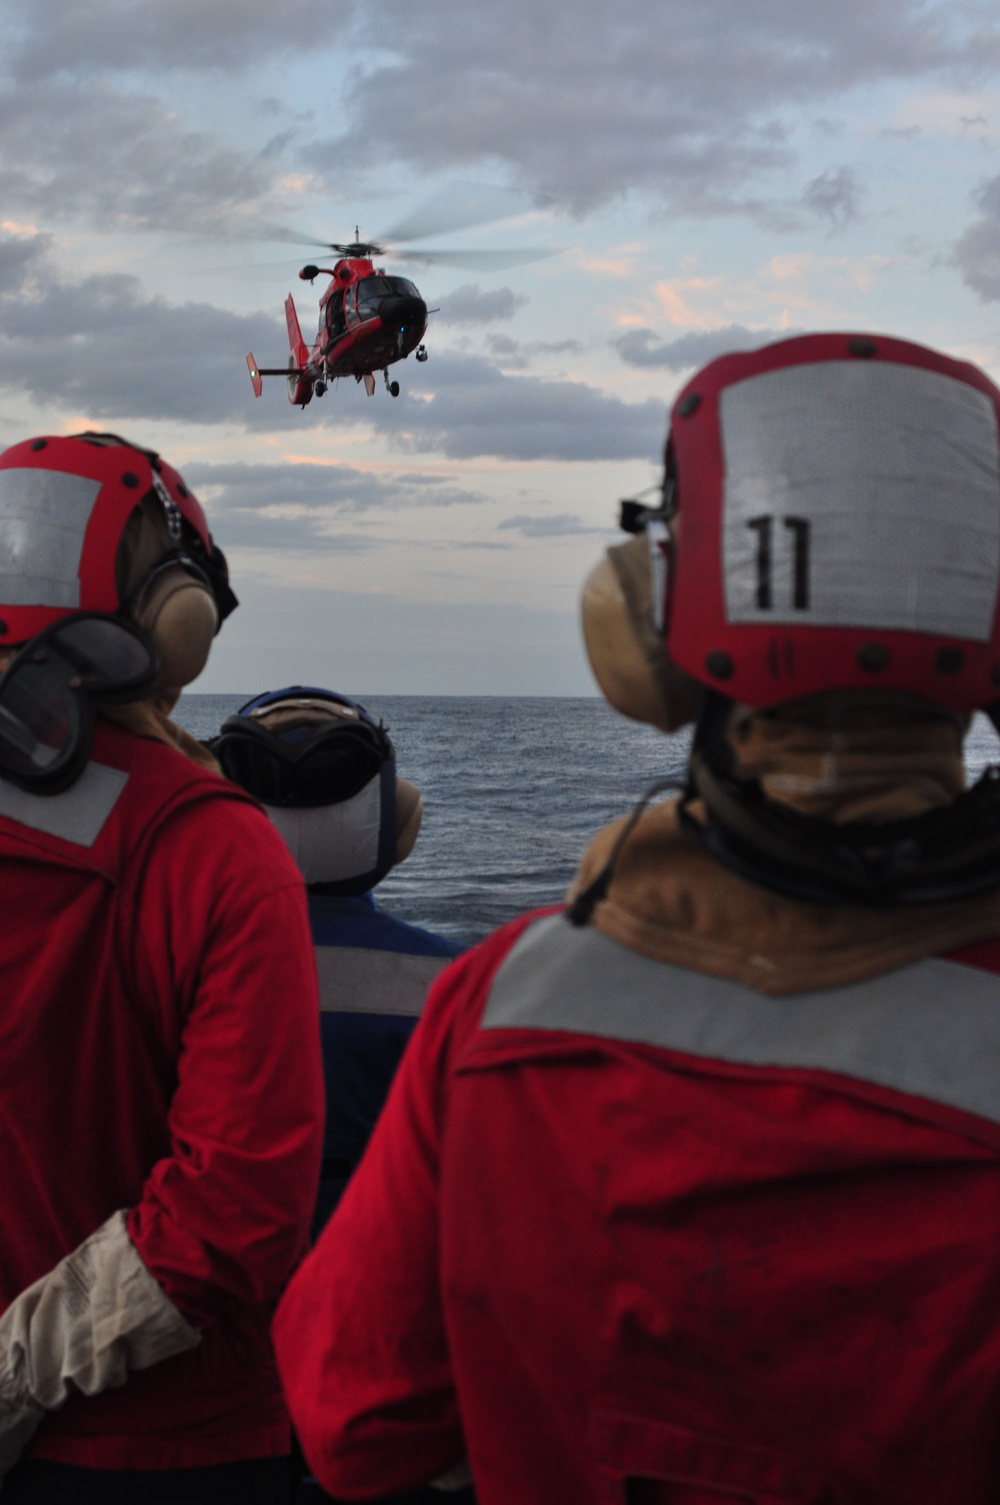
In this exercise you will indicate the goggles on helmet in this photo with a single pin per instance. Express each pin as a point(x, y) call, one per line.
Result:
point(306, 765)
point(48, 689)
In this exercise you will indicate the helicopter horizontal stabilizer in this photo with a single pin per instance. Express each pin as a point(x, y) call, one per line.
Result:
point(257, 373)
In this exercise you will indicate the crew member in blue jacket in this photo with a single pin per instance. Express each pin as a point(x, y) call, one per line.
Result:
point(325, 771)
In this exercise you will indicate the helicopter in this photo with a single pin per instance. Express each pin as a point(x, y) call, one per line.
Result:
point(368, 318)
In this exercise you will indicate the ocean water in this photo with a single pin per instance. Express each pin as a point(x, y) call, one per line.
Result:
point(513, 790)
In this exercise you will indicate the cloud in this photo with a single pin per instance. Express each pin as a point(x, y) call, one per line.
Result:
point(833, 196)
point(48, 37)
point(559, 525)
point(316, 485)
point(469, 305)
point(19, 255)
point(475, 409)
point(121, 160)
point(977, 253)
point(103, 347)
point(306, 505)
point(517, 355)
point(689, 103)
point(642, 347)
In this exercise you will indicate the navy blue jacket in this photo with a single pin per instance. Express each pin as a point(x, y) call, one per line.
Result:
point(374, 972)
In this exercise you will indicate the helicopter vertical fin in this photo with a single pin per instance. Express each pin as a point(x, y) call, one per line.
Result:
point(255, 376)
point(296, 344)
point(300, 382)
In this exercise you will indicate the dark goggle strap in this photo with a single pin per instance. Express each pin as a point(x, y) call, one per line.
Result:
point(48, 691)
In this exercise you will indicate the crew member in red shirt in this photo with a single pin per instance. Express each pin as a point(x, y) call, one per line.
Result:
point(160, 1087)
point(691, 1192)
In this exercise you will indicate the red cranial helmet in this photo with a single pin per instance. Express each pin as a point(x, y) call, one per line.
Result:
point(94, 523)
point(837, 523)
point(830, 521)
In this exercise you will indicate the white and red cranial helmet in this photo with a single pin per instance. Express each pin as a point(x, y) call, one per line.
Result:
point(830, 522)
point(64, 506)
point(836, 524)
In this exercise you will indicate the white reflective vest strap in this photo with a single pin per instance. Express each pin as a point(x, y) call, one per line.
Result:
point(931, 1029)
point(77, 814)
point(355, 980)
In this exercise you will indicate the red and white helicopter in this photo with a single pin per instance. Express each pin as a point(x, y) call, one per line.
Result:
point(370, 319)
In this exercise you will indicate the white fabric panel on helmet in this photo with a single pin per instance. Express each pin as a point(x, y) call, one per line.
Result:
point(333, 843)
point(43, 519)
point(861, 494)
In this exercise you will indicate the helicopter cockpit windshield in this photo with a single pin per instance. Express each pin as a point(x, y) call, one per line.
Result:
point(371, 291)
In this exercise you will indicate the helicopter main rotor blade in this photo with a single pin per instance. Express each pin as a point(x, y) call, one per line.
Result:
point(246, 271)
point(483, 261)
point(459, 207)
point(284, 236)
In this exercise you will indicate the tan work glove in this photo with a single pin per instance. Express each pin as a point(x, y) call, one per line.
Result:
point(82, 1327)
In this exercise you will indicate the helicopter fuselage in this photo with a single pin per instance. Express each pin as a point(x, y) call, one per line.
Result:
point(368, 320)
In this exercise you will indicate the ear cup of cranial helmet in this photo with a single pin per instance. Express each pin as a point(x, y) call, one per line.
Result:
point(178, 611)
point(409, 814)
point(626, 652)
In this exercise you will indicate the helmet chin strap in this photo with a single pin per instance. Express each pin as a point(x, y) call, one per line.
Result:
point(945, 854)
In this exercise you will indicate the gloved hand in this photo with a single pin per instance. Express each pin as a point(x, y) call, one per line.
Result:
point(82, 1327)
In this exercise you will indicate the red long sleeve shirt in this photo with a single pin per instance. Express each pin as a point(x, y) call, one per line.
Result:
point(160, 1050)
point(621, 1220)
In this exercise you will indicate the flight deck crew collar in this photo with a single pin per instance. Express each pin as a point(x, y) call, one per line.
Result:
point(674, 903)
point(930, 1029)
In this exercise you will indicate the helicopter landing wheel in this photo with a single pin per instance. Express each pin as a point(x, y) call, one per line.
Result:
point(394, 389)
point(319, 387)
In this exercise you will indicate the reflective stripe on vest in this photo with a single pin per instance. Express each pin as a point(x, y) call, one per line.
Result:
point(931, 1029)
point(354, 980)
point(76, 815)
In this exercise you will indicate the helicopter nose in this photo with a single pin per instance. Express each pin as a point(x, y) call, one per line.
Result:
point(402, 311)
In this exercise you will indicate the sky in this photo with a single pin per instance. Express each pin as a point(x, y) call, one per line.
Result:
point(703, 178)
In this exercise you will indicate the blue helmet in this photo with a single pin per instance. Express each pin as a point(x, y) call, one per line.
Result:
point(325, 771)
